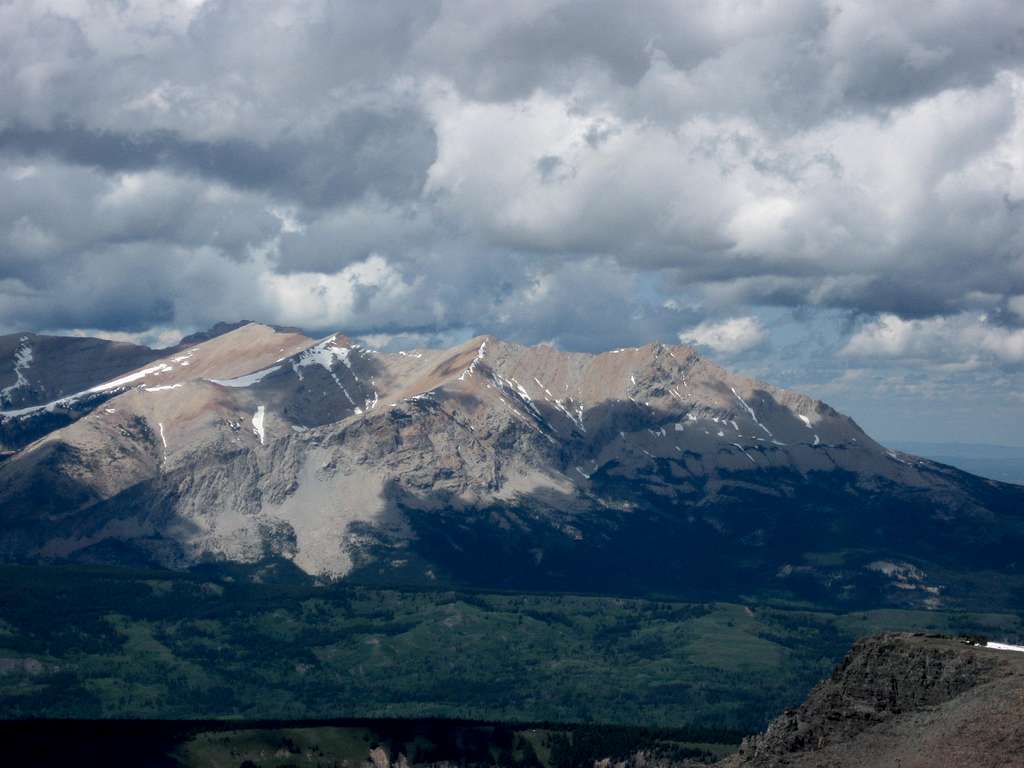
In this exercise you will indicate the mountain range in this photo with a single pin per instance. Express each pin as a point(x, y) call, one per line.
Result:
point(644, 470)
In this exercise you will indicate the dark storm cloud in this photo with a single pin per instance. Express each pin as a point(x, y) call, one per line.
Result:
point(58, 215)
point(358, 153)
point(832, 56)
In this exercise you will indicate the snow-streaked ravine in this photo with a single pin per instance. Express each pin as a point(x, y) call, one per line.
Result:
point(324, 353)
point(22, 362)
point(751, 412)
point(257, 424)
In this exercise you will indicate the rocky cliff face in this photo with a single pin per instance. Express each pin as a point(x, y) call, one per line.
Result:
point(903, 700)
point(640, 469)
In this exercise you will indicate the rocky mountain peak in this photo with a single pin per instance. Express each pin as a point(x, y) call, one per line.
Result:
point(489, 460)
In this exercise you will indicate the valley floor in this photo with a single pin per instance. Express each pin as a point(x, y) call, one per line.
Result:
point(86, 642)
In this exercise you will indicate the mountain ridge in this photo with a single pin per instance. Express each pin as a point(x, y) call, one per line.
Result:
point(489, 462)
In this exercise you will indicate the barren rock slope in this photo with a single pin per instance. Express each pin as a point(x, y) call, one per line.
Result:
point(639, 469)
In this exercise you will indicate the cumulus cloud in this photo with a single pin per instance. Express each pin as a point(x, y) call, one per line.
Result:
point(384, 152)
point(728, 337)
point(365, 287)
point(960, 340)
point(435, 169)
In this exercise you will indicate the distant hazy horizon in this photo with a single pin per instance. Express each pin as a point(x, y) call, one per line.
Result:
point(996, 462)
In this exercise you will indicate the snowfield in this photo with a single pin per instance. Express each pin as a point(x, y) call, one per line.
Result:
point(1005, 647)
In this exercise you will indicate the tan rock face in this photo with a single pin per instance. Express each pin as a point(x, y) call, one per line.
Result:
point(263, 443)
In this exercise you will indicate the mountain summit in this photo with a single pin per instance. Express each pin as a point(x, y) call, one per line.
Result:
point(645, 469)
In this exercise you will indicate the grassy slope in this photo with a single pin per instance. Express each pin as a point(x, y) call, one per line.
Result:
point(103, 643)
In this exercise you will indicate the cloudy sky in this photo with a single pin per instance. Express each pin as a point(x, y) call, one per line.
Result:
point(828, 195)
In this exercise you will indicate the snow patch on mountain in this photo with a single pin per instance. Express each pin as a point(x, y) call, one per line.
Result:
point(1005, 647)
point(125, 380)
point(106, 386)
point(249, 379)
point(473, 364)
point(22, 362)
point(163, 387)
point(751, 412)
point(324, 354)
point(258, 424)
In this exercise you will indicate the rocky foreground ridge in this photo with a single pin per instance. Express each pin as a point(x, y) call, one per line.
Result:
point(903, 700)
point(906, 700)
point(492, 464)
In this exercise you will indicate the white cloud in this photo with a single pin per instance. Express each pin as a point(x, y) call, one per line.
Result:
point(956, 342)
point(889, 336)
point(728, 337)
point(857, 212)
point(371, 288)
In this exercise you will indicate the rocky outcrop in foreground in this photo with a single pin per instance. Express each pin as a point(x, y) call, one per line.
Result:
point(903, 700)
point(895, 701)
